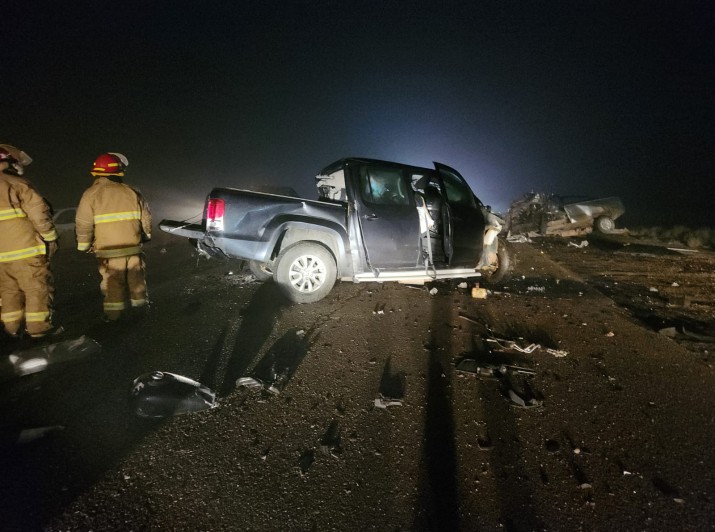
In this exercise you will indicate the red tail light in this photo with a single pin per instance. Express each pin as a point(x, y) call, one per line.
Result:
point(214, 214)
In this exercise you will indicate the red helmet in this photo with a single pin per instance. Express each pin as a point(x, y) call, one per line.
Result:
point(109, 164)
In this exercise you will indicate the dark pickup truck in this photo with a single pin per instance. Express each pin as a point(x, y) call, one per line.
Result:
point(374, 221)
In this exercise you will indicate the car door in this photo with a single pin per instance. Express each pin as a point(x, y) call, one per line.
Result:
point(388, 217)
point(464, 217)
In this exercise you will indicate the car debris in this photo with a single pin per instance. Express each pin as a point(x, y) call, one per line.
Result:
point(582, 244)
point(160, 394)
point(40, 358)
point(520, 239)
point(518, 400)
point(510, 345)
point(504, 373)
point(383, 402)
point(538, 213)
point(249, 383)
point(479, 293)
point(470, 365)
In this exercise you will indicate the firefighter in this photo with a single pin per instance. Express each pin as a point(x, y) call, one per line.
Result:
point(27, 241)
point(113, 220)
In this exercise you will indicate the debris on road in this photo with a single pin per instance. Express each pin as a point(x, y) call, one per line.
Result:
point(518, 400)
point(520, 238)
point(250, 383)
point(433, 291)
point(511, 345)
point(40, 358)
point(479, 293)
point(161, 394)
point(383, 402)
point(582, 244)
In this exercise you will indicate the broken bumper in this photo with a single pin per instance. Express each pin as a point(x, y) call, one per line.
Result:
point(173, 227)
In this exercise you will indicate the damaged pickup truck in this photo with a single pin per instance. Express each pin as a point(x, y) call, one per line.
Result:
point(373, 221)
point(552, 215)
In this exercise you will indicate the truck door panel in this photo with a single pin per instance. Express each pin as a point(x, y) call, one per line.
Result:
point(388, 217)
point(465, 218)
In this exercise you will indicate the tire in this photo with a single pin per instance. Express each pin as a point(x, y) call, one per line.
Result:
point(605, 224)
point(260, 270)
point(505, 266)
point(305, 272)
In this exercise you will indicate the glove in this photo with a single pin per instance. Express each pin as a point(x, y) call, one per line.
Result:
point(52, 248)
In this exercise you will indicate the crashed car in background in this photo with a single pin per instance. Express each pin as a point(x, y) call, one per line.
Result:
point(548, 214)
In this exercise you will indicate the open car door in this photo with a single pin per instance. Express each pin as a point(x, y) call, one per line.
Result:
point(463, 219)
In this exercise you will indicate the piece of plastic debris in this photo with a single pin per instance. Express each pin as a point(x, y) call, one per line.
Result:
point(40, 358)
point(300, 333)
point(161, 394)
point(582, 244)
point(462, 285)
point(675, 284)
point(610, 334)
point(383, 402)
point(652, 289)
point(433, 291)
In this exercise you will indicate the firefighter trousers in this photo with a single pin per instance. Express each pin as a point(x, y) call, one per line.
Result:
point(26, 291)
point(122, 278)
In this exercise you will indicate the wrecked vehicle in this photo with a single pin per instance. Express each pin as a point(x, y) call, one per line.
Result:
point(373, 221)
point(547, 215)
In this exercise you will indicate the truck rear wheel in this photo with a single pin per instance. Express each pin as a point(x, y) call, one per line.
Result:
point(305, 272)
point(260, 270)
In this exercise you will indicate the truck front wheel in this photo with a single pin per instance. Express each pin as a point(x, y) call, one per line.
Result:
point(305, 272)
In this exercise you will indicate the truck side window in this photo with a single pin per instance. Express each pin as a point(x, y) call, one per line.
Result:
point(383, 186)
point(457, 191)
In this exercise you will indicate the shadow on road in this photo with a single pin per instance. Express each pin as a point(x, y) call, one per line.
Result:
point(257, 322)
point(438, 493)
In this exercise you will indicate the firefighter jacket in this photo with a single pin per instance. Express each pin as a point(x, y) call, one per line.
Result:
point(25, 220)
point(112, 219)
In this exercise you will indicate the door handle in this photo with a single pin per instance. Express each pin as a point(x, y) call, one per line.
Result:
point(372, 216)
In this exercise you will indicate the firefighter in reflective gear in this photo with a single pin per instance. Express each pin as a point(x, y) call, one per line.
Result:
point(113, 220)
point(27, 241)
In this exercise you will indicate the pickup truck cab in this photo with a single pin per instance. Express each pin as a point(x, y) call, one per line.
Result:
point(373, 221)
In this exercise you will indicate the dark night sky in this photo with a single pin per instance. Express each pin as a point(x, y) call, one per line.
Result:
point(571, 97)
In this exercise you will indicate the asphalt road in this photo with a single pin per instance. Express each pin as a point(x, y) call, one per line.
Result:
point(615, 433)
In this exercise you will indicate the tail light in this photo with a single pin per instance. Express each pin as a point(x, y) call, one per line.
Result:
point(214, 214)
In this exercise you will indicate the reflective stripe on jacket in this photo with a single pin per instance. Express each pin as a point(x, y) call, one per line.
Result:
point(112, 219)
point(25, 220)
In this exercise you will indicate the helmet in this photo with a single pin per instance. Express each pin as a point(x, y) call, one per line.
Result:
point(16, 158)
point(110, 164)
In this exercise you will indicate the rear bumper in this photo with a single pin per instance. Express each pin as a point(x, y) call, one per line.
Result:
point(182, 229)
